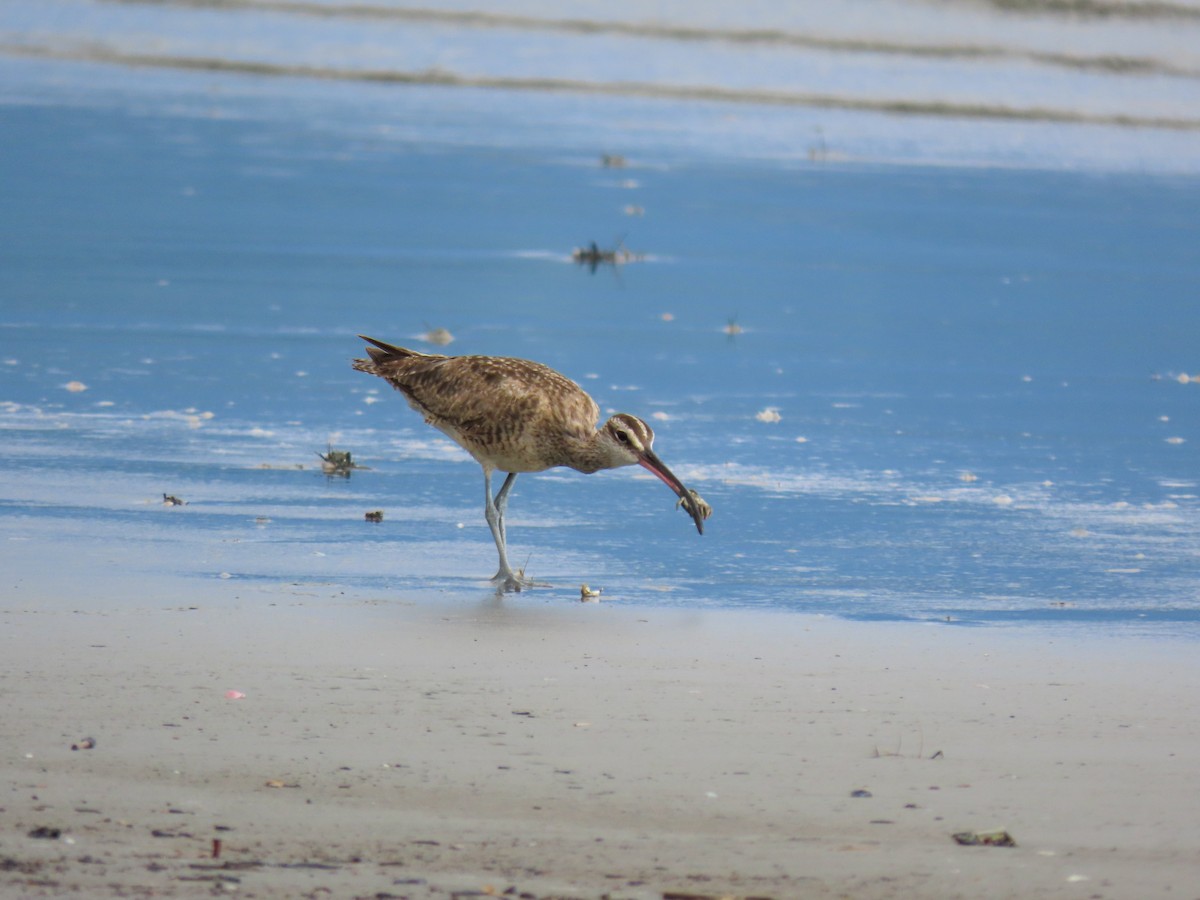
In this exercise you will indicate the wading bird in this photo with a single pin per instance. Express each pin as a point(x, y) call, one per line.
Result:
point(514, 415)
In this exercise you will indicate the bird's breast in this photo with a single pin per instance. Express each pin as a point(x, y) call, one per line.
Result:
point(502, 446)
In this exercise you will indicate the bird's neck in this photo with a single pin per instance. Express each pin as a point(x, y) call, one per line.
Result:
point(597, 452)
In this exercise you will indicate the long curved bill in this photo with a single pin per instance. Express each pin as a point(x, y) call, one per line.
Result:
point(697, 509)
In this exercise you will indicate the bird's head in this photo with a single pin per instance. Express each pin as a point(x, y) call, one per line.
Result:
point(628, 441)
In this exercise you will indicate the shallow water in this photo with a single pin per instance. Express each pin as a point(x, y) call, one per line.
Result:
point(1108, 85)
point(953, 392)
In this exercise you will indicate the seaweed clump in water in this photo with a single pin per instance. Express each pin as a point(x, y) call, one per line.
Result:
point(338, 463)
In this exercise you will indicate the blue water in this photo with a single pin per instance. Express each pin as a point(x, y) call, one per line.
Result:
point(980, 373)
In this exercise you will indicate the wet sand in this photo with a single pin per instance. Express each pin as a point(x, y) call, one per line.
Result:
point(545, 748)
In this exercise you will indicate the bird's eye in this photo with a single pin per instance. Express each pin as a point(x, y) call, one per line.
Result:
point(622, 437)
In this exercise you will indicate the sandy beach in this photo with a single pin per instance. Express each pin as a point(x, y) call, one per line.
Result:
point(908, 293)
point(537, 748)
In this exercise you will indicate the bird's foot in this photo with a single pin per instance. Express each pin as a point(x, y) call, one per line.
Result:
point(508, 583)
point(514, 582)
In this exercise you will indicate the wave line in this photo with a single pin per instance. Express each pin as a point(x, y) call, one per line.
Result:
point(1105, 63)
point(709, 93)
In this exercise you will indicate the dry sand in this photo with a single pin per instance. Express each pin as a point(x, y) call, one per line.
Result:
point(538, 747)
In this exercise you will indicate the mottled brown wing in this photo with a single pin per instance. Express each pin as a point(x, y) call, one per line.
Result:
point(484, 398)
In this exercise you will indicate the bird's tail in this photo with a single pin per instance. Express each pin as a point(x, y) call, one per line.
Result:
point(382, 353)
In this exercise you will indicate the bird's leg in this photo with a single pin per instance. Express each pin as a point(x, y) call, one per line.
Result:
point(501, 503)
point(493, 511)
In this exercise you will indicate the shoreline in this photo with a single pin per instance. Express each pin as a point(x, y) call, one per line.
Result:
point(589, 750)
point(881, 342)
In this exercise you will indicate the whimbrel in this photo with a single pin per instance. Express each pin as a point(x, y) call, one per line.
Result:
point(514, 415)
